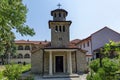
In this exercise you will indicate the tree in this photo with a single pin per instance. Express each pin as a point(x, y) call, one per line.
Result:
point(108, 64)
point(106, 72)
point(110, 49)
point(12, 17)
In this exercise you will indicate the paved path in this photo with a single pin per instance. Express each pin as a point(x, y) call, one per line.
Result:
point(38, 77)
point(81, 77)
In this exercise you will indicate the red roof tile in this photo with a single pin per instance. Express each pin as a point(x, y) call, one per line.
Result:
point(75, 41)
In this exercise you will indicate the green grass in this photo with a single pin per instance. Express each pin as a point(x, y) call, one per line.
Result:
point(26, 67)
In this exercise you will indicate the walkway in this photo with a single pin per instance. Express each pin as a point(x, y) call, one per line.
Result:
point(38, 77)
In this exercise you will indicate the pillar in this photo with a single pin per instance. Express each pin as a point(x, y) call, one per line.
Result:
point(50, 63)
point(69, 63)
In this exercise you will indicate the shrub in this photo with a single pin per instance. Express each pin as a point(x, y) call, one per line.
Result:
point(12, 71)
point(94, 65)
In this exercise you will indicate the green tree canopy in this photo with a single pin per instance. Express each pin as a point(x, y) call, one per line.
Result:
point(12, 16)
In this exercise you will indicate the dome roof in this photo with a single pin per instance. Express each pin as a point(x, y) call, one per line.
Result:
point(59, 10)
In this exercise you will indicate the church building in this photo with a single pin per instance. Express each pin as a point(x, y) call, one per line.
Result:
point(60, 56)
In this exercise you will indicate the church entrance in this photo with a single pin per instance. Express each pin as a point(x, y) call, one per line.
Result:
point(59, 63)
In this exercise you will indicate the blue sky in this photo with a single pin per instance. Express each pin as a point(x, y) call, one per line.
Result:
point(87, 16)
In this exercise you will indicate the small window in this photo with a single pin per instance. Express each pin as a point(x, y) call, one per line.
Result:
point(88, 43)
point(60, 28)
point(56, 28)
point(84, 45)
point(20, 56)
point(27, 56)
point(80, 46)
point(20, 47)
point(59, 14)
point(63, 28)
point(27, 47)
point(60, 38)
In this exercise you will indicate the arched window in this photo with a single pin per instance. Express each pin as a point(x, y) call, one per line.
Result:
point(27, 47)
point(20, 56)
point(20, 47)
point(27, 56)
point(59, 14)
point(56, 28)
point(63, 28)
point(60, 28)
point(14, 56)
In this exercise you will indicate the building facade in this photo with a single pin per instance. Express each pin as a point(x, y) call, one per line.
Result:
point(97, 40)
point(60, 56)
point(23, 50)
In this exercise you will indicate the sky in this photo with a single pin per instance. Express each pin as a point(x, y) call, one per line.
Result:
point(87, 16)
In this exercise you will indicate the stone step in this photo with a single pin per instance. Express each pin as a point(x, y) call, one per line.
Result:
point(61, 76)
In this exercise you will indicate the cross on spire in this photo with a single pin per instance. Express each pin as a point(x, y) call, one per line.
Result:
point(59, 5)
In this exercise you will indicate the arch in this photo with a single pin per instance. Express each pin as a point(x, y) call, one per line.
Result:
point(56, 28)
point(20, 47)
point(27, 55)
point(27, 47)
point(20, 55)
point(63, 28)
point(60, 28)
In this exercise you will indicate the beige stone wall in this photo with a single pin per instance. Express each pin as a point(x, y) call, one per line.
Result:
point(55, 36)
point(23, 52)
point(26, 60)
point(37, 62)
point(46, 62)
point(81, 62)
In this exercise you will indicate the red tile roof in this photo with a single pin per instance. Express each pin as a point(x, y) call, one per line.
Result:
point(32, 42)
point(72, 43)
point(75, 41)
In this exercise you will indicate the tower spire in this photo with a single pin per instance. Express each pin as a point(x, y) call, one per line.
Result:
point(59, 5)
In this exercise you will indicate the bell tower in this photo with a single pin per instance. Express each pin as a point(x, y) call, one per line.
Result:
point(59, 28)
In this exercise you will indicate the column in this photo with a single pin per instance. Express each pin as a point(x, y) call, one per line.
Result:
point(69, 60)
point(50, 63)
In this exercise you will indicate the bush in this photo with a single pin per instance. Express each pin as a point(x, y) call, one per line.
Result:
point(94, 65)
point(94, 76)
point(106, 72)
point(12, 71)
